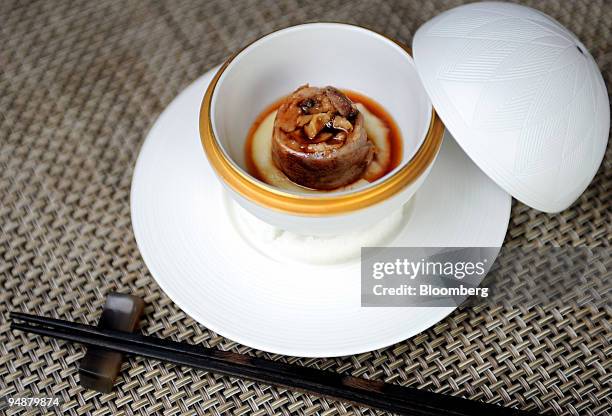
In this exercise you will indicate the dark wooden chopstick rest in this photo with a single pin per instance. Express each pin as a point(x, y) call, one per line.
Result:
point(99, 367)
point(390, 397)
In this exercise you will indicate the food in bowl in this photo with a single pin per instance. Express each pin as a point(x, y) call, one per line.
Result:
point(274, 66)
point(323, 139)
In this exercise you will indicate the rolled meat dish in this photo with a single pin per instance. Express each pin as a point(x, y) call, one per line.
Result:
point(319, 139)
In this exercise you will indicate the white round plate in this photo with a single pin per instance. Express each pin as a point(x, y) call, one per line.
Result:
point(198, 258)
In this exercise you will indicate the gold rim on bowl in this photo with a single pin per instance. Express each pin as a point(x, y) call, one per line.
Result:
point(304, 205)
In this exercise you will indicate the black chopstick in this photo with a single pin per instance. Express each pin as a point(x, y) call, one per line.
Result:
point(371, 393)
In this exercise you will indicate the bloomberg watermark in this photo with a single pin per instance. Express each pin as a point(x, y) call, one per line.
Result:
point(409, 276)
point(453, 276)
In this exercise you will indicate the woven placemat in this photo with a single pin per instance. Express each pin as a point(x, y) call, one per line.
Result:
point(80, 85)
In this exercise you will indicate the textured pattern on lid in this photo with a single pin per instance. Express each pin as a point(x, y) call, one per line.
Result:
point(522, 96)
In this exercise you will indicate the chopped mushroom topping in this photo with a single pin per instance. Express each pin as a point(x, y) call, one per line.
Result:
point(302, 120)
point(342, 104)
point(340, 137)
point(307, 105)
point(322, 137)
point(316, 124)
point(340, 123)
point(319, 139)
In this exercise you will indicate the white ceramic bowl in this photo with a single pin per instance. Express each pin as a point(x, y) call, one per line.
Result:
point(348, 57)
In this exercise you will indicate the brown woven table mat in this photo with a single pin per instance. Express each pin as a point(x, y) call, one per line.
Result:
point(80, 85)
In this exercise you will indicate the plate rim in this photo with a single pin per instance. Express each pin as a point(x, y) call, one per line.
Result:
point(193, 313)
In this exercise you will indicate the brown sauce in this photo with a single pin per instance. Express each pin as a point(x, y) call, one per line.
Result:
point(394, 137)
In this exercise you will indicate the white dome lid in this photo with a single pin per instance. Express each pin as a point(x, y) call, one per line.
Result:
point(521, 95)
